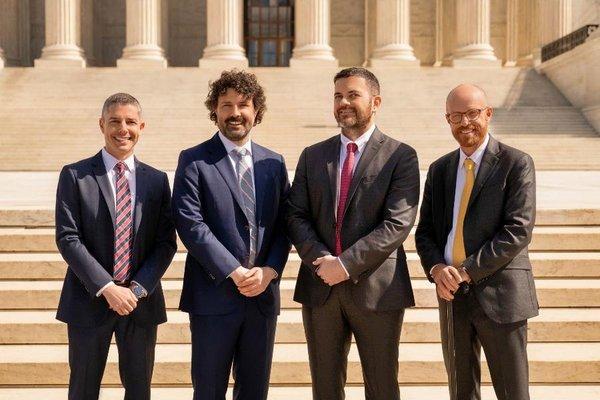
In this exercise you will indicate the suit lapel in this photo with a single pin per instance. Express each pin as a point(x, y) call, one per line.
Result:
point(104, 184)
point(141, 185)
point(223, 165)
point(371, 149)
point(488, 164)
point(332, 156)
point(450, 188)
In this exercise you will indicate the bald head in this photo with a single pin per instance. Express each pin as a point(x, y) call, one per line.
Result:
point(469, 115)
point(466, 95)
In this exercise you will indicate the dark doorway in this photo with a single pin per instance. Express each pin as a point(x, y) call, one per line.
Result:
point(269, 32)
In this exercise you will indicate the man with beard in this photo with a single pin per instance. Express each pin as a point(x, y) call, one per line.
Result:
point(475, 225)
point(227, 197)
point(352, 204)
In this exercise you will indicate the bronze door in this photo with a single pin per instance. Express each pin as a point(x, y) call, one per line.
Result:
point(269, 32)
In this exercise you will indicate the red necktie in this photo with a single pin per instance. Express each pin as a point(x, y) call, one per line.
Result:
point(345, 180)
point(123, 231)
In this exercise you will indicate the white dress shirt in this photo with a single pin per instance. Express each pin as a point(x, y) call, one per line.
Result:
point(229, 148)
point(460, 184)
point(361, 142)
point(109, 163)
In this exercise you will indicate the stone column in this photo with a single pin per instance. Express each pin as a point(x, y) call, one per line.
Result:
point(312, 34)
point(473, 35)
point(224, 35)
point(512, 33)
point(555, 21)
point(63, 35)
point(143, 35)
point(393, 33)
point(439, 33)
point(1, 58)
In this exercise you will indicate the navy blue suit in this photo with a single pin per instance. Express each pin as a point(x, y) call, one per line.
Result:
point(227, 326)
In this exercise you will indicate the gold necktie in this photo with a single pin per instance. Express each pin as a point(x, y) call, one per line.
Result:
point(458, 247)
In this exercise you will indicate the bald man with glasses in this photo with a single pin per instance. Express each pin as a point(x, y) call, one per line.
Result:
point(475, 225)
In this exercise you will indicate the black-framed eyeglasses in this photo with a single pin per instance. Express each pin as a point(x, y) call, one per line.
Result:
point(472, 115)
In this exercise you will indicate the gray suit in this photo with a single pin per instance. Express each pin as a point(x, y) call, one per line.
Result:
point(497, 230)
point(380, 211)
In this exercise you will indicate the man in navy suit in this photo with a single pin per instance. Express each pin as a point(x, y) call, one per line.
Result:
point(228, 197)
point(114, 230)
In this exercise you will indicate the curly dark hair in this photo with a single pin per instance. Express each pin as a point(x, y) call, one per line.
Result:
point(245, 83)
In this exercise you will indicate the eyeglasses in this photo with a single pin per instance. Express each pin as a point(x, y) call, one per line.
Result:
point(472, 115)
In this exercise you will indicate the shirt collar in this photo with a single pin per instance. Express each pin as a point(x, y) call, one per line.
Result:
point(110, 161)
point(477, 154)
point(362, 140)
point(230, 146)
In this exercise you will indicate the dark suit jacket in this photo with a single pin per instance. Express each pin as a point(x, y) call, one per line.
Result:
point(207, 204)
point(497, 228)
point(85, 214)
point(380, 211)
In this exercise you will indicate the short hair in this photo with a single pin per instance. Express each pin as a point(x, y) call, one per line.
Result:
point(364, 73)
point(121, 99)
point(245, 83)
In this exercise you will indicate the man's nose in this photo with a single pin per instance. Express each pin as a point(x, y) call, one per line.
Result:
point(464, 120)
point(235, 111)
point(344, 101)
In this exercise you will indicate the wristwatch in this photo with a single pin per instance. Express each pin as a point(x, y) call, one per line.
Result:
point(137, 290)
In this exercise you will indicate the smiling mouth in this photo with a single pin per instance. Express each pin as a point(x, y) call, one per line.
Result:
point(122, 139)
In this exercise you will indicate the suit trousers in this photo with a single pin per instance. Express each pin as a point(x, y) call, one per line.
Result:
point(329, 329)
point(504, 345)
point(88, 351)
point(244, 338)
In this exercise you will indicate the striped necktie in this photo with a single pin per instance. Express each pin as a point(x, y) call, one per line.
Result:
point(123, 226)
point(345, 180)
point(244, 175)
point(458, 247)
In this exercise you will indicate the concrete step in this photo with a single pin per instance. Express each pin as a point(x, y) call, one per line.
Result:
point(545, 238)
point(28, 365)
point(419, 326)
point(35, 217)
point(440, 392)
point(44, 295)
point(51, 266)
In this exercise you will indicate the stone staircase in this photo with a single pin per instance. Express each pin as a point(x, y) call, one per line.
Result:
point(564, 347)
point(49, 118)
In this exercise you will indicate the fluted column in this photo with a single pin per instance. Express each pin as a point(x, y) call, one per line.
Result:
point(143, 35)
point(512, 33)
point(393, 35)
point(63, 35)
point(224, 35)
point(555, 21)
point(312, 34)
point(473, 35)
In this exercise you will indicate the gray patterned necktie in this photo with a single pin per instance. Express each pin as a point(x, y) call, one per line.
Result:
point(244, 175)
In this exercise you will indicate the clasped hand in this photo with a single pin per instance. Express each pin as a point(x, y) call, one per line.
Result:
point(120, 299)
point(330, 270)
point(447, 280)
point(252, 282)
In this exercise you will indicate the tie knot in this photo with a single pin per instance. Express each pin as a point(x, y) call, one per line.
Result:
point(351, 147)
point(469, 164)
point(240, 152)
point(120, 167)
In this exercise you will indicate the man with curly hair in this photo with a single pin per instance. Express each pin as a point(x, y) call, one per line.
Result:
point(227, 197)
